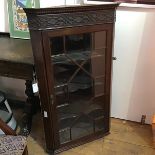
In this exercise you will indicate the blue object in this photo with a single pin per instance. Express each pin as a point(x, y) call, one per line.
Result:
point(6, 114)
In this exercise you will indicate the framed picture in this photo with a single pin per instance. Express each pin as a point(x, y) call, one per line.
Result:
point(17, 17)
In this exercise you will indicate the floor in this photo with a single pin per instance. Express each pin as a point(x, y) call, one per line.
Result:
point(126, 138)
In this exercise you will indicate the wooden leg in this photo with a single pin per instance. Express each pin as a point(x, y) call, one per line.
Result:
point(25, 151)
point(29, 110)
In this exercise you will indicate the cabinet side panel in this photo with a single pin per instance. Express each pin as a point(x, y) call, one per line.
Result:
point(50, 86)
point(108, 73)
point(36, 39)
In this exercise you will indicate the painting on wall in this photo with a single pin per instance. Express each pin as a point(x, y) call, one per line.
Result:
point(17, 18)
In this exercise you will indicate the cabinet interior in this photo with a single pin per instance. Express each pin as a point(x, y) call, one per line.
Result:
point(79, 82)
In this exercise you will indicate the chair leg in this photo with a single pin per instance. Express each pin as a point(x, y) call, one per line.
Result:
point(25, 151)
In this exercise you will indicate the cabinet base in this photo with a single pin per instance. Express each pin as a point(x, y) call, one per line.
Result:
point(76, 143)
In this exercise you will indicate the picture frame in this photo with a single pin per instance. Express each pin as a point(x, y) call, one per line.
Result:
point(17, 18)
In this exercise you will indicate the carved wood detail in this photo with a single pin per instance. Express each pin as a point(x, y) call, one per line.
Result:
point(52, 21)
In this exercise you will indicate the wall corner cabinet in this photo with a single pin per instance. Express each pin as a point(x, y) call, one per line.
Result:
point(72, 49)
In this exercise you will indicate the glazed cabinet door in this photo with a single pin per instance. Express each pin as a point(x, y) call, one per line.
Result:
point(76, 72)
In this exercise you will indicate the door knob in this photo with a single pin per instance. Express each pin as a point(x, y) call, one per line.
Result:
point(114, 58)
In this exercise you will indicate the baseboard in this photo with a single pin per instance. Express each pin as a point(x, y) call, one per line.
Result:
point(4, 34)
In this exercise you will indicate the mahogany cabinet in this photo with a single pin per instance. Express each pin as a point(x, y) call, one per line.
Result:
point(72, 49)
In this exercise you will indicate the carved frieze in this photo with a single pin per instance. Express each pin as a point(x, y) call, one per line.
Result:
point(52, 21)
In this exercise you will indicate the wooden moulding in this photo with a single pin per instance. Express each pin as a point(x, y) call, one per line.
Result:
point(153, 129)
point(56, 17)
point(45, 23)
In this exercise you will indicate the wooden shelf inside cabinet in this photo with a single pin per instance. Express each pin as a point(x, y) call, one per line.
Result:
point(72, 49)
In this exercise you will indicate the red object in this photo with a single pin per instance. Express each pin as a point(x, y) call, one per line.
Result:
point(153, 129)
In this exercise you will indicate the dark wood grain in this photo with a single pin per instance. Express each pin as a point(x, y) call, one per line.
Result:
point(52, 21)
point(16, 58)
point(51, 18)
point(70, 9)
point(6, 129)
point(16, 50)
point(60, 21)
point(46, 105)
point(16, 61)
point(151, 2)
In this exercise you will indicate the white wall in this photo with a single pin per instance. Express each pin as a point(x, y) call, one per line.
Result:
point(133, 86)
point(4, 26)
point(51, 3)
point(3, 16)
point(13, 87)
point(56, 2)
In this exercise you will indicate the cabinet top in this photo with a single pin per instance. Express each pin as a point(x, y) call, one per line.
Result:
point(69, 16)
point(71, 8)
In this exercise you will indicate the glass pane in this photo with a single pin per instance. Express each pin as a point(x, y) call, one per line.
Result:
point(57, 45)
point(98, 65)
point(99, 86)
point(100, 40)
point(79, 77)
point(80, 42)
